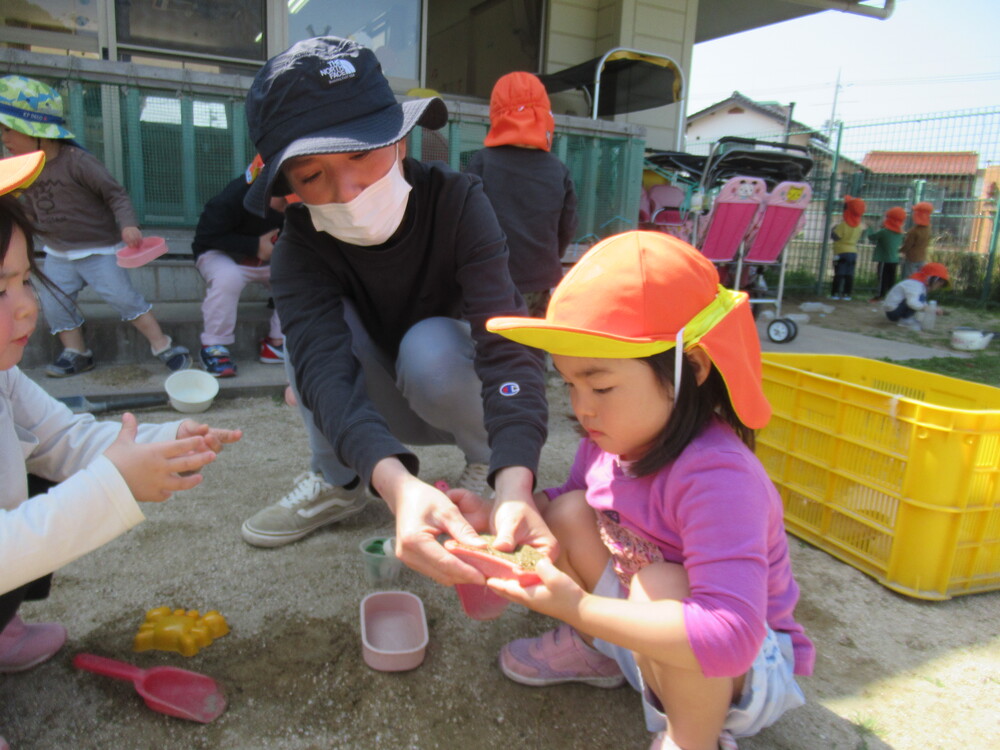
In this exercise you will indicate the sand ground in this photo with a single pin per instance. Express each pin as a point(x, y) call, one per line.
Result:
point(891, 672)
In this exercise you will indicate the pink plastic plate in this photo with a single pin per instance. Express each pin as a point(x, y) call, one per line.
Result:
point(149, 249)
point(479, 602)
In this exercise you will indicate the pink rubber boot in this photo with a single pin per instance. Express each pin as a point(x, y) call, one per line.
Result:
point(25, 646)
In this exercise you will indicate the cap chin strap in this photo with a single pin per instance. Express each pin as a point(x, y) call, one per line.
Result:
point(678, 360)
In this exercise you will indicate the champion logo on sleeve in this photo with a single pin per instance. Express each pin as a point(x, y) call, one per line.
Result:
point(510, 389)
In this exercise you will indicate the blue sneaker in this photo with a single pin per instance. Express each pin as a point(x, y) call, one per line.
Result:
point(174, 356)
point(217, 361)
point(70, 362)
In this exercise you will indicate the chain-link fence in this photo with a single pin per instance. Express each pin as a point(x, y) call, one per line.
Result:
point(175, 138)
point(951, 160)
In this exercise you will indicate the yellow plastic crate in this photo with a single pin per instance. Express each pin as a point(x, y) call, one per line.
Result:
point(892, 470)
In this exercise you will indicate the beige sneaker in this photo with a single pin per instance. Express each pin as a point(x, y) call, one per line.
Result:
point(312, 504)
point(474, 479)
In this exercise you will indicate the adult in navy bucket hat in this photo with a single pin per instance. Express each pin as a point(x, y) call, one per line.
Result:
point(324, 96)
point(383, 278)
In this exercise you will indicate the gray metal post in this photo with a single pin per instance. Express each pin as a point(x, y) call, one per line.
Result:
point(137, 178)
point(188, 167)
point(828, 209)
point(238, 135)
point(991, 260)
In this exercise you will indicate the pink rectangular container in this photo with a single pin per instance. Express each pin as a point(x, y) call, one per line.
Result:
point(393, 630)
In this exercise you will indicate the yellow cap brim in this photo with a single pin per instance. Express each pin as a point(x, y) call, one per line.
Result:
point(572, 342)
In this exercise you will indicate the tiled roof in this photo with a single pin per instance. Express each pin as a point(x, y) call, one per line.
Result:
point(922, 162)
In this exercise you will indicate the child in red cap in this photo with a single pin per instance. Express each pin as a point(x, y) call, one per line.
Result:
point(845, 247)
point(917, 240)
point(673, 570)
point(887, 241)
point(909, 296)
point(531, 190)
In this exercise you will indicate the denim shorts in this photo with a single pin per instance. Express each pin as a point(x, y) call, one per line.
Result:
point(103, 273)
point(768, 692)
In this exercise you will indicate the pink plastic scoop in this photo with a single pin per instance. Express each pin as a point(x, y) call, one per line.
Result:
point(169, 690)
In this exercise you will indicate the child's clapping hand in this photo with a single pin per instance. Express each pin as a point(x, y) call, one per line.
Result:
point(215, 438)
point(154, 471)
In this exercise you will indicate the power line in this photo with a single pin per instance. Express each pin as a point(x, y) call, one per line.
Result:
point(959, 78)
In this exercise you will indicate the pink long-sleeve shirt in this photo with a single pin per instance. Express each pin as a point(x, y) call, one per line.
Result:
point(715, 511)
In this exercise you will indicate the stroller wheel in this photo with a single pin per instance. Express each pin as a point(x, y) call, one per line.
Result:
point(782, 330)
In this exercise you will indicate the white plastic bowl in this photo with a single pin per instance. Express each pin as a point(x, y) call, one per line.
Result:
point(970, 339)
point(393, 631)
point(191, 391)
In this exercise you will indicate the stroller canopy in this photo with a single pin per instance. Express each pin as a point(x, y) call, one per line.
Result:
point(772, 161)
point(622, 80)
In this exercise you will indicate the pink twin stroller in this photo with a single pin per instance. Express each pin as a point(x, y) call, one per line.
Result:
point(758, 202)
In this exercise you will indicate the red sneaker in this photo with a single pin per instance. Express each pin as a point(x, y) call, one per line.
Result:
point(271, 354)
point(24, 646)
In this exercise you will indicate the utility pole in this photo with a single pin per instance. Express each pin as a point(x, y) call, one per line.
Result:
point(833, 112)
point(788, 121)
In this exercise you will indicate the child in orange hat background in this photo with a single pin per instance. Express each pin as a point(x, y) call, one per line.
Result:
point(909, 296)
point(846, 236)
point(531, 190)
point(668, 576)
point(888, 240)
point(917, 240)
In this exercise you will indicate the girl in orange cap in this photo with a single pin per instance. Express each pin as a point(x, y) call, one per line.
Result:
point(887, 241)
point(673, 570)
point(917, 240)
point(845, 247)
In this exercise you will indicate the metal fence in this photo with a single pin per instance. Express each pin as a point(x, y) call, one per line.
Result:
point(951, 160)
point(174, 138)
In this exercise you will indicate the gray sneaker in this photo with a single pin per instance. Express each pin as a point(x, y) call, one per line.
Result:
point(474, 479)
point(312, 504)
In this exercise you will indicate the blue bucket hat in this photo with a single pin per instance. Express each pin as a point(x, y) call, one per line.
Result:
point(32, 108)
point(325, 96)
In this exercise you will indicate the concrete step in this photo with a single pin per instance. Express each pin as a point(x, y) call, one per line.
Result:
point(121, 380)
point(116, 342)
point(173, 279)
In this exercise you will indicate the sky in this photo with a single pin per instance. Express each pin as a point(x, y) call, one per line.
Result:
point(929, 56)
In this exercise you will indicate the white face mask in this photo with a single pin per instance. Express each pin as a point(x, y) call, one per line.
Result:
point(370, 218)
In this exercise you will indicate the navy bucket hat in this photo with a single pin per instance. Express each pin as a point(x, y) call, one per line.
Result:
point(325, 96)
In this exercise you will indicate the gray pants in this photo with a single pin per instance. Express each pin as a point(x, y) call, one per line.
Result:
point(102, 273)
point(430, 395)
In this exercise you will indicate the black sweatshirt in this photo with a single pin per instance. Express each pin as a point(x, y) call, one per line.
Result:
point(225, 225)
point(447, 259)
point(533, 195)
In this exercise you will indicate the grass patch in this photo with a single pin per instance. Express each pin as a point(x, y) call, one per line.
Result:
point(981, 368)
point(866, 726)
